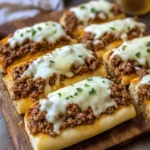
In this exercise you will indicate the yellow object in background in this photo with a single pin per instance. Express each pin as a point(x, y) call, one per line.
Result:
point(134, 7)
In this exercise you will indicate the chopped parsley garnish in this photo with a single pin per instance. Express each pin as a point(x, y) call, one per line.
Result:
point(71, 84)
point(75, 94)
point(137, 54)
point(82, 7)
point(86, 85)
point(148, 44)
point(46, 24)
point(129, 28)
point(28, 31)
point(79, 89)
point(52, 61)
point(89, 79)
point(21, 34)
point(54, 25)
point(93, 10)
point(59, 94)
point(39, 28)
point(124, 47)
point(33, 32)
point(93, 91)
point(103, 81)
point(149, 81)
point(67, 98)
point(81, 56)
point(112, 28)
point(148, 50)
point(71, 96)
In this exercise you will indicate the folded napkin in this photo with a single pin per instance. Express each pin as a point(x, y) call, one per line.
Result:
point(11, 10)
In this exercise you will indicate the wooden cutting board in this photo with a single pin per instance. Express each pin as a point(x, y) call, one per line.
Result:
point(121, 134)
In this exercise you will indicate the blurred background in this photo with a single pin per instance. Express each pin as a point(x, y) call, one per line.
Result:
point(14, 11)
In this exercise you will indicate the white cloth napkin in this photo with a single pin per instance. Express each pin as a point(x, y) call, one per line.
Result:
point(11, 10)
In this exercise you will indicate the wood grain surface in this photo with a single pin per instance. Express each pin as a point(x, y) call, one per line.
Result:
point(118, 135)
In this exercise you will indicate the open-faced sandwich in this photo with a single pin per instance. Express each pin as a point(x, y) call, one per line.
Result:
point(140, 91)
point(127, 61)
point(77, 112)
point(31, 42)
point(33, 79)
point(103, 37)
point(92, 12)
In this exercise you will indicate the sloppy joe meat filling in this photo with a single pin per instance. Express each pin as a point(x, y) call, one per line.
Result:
point(74, 116)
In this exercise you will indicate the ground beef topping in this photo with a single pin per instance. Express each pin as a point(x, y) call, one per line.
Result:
point(107, 38)
point(144, 93)
point(74, 115)
point(25, 86)
point(128, 67)
point(28, 47)
point(72, 22)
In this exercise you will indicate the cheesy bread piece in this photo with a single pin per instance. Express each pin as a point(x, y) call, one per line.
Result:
point(77, 112)
point(103, 37)
point(99, 11)
point(32, 42)
point(34, 79)
point(140, 91)
point(127, 61)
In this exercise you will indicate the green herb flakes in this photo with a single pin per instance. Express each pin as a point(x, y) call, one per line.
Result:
point(21, 34)
point(93, 10)
point(148, 50)
point(52, 61)
point(33, 32)
point(148, 44)
point(89, 79)
point(82, 7)
point(81, 56)
point(39, 28)
point(79, 89)
point(138, 54)
point(59, 94)
point(93, 91)
point(71, 96)
point(129, 28)
point(75, 94)
point(86, 85)
point(112, 28)
point(124, 47)
point(67, 98)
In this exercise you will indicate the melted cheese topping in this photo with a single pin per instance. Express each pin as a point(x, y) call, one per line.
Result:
point(49, 31)
point(137, 50)
point(89, 10)
point(145, 80)
point(94, 92)
point(118, 28)
point(59, 62)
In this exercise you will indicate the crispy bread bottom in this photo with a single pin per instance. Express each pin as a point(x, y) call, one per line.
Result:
point(74, 135)
point(23, 104)
point(77, 32)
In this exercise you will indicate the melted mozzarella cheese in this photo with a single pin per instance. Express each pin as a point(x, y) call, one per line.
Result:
point(94, 92)
point(145, 80)
point(59, 62)
point(49, 31)
point(118, 28)
point(137, 50)
point(89, 10)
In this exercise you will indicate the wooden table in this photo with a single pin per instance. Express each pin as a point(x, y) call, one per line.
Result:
point(5, 143)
